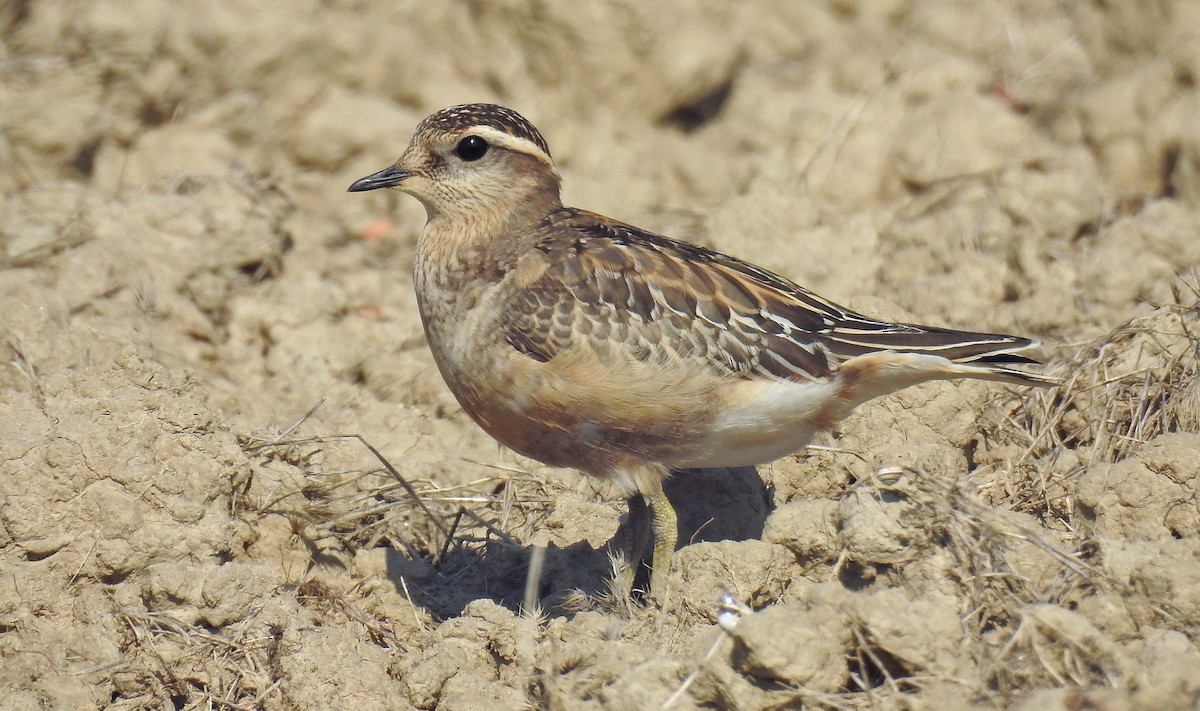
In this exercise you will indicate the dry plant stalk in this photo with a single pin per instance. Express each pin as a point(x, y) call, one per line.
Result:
point(1123, 389)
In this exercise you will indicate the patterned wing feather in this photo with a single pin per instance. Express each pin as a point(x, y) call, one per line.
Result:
point(624, 292)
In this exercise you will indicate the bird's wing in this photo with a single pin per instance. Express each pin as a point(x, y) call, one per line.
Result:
point(619, 291)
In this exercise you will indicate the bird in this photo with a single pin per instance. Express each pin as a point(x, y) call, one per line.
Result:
point(584, 342)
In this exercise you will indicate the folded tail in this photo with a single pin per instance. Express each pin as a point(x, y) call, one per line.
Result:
point(938, 353)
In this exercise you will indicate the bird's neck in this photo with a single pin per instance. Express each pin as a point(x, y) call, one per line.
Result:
point(460, 258)
point(484, 239)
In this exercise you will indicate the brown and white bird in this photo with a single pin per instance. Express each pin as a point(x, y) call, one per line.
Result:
point(581, 341)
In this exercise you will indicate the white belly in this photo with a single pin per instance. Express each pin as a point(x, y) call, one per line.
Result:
point(763, 422)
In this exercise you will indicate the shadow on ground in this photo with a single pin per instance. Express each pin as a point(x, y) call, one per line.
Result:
point(711, 504)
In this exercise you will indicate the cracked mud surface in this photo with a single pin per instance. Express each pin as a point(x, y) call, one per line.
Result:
point(195, 313)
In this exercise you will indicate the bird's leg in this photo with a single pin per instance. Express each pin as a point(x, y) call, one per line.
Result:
point(666, 533)
point(639, 530)
point(659, 520)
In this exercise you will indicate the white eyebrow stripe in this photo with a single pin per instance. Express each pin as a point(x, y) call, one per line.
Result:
point(513, 143)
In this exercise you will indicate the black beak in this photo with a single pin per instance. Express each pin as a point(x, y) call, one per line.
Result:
point(389, 177)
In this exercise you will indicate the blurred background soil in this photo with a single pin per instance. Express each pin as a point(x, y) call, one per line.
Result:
point(194, 315)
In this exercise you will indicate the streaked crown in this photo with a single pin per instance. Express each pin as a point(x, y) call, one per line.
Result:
point(497, 124)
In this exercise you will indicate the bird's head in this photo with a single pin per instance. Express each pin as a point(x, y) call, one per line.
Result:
point(472, 161)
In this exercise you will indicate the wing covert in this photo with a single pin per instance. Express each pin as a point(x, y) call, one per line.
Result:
point(621, 292)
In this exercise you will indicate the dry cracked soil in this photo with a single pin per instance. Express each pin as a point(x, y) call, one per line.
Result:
point(231, 477)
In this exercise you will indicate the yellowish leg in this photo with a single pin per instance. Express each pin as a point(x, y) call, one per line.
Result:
point(666, 533)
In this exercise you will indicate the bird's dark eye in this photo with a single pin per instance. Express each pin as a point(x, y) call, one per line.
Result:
point(471, 148)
